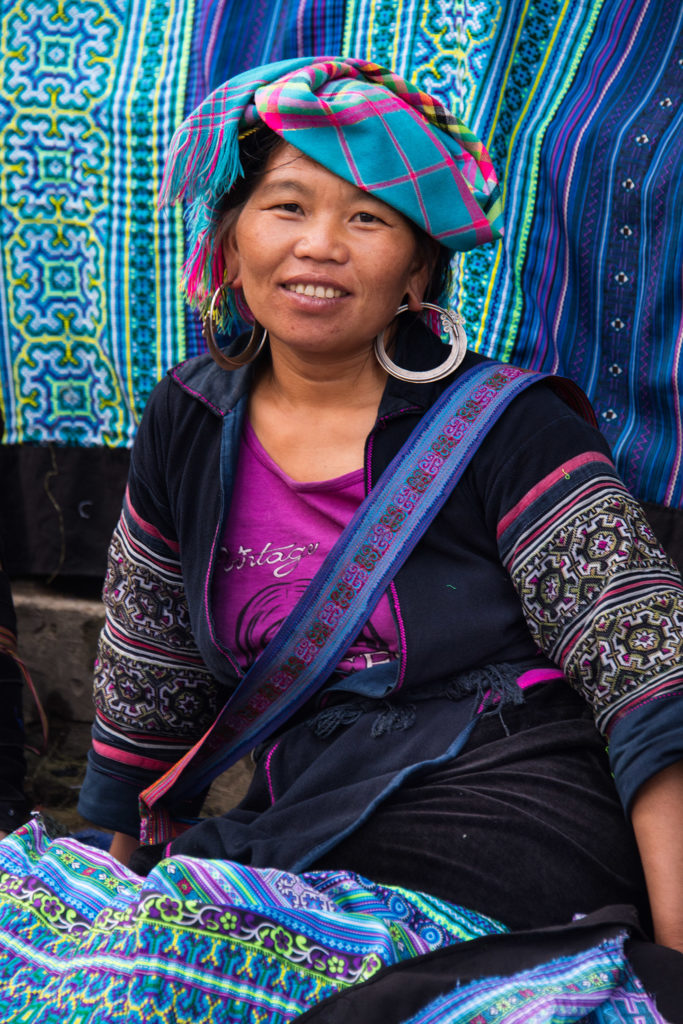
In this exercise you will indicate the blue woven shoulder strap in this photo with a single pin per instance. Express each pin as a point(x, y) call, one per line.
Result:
point(369, 552)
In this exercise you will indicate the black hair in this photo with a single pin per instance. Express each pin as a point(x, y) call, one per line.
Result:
point(255, 150)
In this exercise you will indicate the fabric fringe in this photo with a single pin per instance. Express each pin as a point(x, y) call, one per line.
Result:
point(495, 684)
point(390, 717)
point(393, 718)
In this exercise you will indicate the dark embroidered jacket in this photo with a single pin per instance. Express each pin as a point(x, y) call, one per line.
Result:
point(540, 550)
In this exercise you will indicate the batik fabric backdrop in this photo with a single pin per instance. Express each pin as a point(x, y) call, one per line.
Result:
point(578, 102)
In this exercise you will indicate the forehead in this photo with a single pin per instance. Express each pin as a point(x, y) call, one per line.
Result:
point(288, 165)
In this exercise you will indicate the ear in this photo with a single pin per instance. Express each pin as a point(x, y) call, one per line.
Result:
point(417, 285)
point(231, 258)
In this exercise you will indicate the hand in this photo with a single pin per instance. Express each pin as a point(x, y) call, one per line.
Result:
point(657, 817)
point(145, 858)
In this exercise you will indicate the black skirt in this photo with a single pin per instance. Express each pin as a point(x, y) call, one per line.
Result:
point(523, 825)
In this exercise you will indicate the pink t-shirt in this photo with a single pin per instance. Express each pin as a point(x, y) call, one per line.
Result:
point(276, 538)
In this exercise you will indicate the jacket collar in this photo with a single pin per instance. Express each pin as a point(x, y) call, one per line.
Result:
point(417, 348)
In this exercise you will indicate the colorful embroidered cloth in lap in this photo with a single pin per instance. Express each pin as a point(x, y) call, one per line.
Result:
point(595, 987)
point(85, 940)
point(579, 107)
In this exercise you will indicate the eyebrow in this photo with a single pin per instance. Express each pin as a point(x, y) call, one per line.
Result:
point(296, 187)
point(285, 183)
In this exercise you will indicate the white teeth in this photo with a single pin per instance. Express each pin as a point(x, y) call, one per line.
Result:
point(317, 290)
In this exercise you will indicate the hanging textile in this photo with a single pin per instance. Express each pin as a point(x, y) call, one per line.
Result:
point(89, 306)
point(579, 106)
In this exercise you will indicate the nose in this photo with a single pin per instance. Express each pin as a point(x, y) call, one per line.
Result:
point(322, 239)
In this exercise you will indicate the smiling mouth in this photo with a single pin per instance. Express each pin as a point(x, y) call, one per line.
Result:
point(318, 291)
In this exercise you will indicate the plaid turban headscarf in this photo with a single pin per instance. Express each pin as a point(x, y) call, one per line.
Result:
point(359, 120)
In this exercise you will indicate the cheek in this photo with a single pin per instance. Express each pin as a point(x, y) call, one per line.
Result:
point(250, 269)
point(397, 283)
point(402, 262)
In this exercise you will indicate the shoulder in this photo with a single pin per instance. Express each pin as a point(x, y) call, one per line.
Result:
point(538, 436)
point(202, 380)
point(197, 386)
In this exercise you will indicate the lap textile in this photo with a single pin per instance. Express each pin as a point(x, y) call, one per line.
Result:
point(83, 939)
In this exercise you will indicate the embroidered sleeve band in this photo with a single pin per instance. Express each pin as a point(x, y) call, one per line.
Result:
point(599, 595)
point(153, 694)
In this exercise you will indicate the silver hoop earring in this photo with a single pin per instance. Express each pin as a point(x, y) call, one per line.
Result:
point(248, 353)
point(454, 327)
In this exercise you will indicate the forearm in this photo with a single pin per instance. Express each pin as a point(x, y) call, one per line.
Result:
point(122, 847)
point(657, 817)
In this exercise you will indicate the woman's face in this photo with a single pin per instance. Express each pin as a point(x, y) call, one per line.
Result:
point(322, 264)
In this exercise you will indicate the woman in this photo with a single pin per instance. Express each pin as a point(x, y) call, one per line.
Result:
point(440, 749)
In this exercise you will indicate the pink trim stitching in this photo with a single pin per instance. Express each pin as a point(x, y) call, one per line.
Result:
point(547, 482)
point(267, 767)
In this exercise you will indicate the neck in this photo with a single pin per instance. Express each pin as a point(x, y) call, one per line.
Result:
point(323, 381)
point(313, 415)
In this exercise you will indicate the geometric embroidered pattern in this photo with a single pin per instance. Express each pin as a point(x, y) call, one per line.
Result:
point(150, 679)
point(600, 596)
point(82, 939)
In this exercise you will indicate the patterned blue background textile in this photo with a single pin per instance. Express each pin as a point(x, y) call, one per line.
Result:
point(579, 104)
point(88, 303)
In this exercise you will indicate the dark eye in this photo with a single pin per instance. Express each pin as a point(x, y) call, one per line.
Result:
point(289, 207)
point(367, 218)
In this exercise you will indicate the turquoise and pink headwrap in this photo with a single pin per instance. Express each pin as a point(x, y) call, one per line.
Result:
point(357, 119)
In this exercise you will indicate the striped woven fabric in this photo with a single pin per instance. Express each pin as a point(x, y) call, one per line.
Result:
point(579, 106)
point(83, 940)
point(364, 122)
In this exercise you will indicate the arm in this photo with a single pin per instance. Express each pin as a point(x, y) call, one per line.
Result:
point(657, 817)
point(122, 847)
point(154, 696)
point(603, 601)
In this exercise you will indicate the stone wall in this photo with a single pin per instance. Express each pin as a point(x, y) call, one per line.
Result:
point(57, 636)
